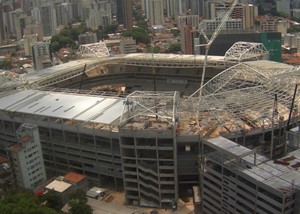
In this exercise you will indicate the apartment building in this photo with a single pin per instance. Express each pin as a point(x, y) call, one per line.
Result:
point(42, 55)
point(231, 24)
point(26, 158)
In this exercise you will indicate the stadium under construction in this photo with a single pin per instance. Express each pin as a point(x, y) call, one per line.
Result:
point(140, 120)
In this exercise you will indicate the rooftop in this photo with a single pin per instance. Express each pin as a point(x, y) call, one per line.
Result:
point(282, 175)
point(88, 108)
point(3, 160)
point(74, 177)
point(16, 147)
point(58, 186)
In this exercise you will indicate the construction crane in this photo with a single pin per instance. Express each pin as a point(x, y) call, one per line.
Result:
point(213, 37)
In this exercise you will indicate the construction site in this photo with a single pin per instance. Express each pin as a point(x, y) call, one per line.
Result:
point(157, 125)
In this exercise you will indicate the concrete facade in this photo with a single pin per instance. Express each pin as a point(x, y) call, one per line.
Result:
point(26, 158)
point(237, 180)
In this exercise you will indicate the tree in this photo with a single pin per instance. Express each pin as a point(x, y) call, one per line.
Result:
point(22, 201)
point(174, 48)
point(5, 64)
point(78, 203)
point(139, 34)
point(67, 37)
point(52, 200)
point(110, 29)
point(293, 29)
point(59, 41)
point(151, 49)
point(101, 35)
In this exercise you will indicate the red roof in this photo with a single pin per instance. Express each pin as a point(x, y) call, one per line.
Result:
point(16, 147)
point(3, 159)
point(74, 177)
point(25, 138)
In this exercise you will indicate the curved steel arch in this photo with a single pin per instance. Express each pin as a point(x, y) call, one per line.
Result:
point(242, 99)
point(236, 77)
point(246, 51)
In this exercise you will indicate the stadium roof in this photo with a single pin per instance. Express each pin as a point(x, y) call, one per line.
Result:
point(88, 108)
point(247, 96)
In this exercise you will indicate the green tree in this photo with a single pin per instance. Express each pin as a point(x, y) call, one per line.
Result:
point(22, 202)
point(293, 29)
point(139, 34)
point(65, 32)
point(174, 48)
point(151, 49)
point(110, 28)
point(59, 41)
point(52, 200)
point(101, 35)
point(5, 64)
point(78, 203)
point(67, 37)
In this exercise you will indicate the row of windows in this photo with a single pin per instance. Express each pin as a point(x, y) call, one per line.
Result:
point(34, 165)
point(34, 171)
point(36, 177)
point(30, 148)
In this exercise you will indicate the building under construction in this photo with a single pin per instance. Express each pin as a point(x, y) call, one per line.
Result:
point(237, 180)
point(148, 142)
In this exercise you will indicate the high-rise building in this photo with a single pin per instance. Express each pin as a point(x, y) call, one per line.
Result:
point(187, 38)
point(34, 28)
point(196, 7)
point(29, 40)
point(268, 24)
point(175, 7)
point(48, 19)
point(26, 6)
point(154, 11)
point(245, 12)
point(100, 15)
point(124, 13)
point(2, 25)
point(250, 13)
point(188, 19)
point(64, 14)
point(284, 6)
point(19, 23)
point(231, 24)
point(188, 26)
point(26, 158)
point(42, 55)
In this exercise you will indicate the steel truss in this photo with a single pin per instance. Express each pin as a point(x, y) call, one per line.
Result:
point(93, 50)
point(246, 51)
point(148, 104)
point(242, 98)
point(172, 60)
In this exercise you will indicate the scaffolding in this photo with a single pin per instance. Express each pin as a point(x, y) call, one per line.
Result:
point(161, 106)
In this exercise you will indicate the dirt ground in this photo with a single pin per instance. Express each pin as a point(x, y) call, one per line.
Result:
point(184, 206)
